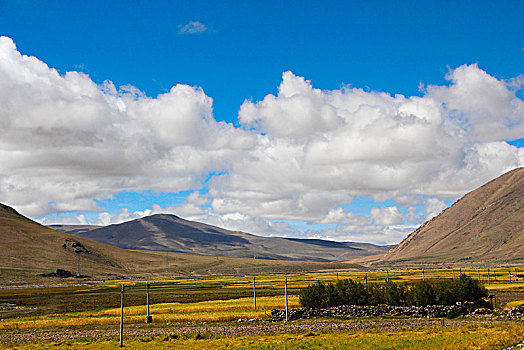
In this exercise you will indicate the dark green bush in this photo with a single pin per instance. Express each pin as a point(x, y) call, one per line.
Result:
point(421, 294)
point(389, 293)
point(349, 292)
point(352, 293)
point(322, 295)
point(464, 288)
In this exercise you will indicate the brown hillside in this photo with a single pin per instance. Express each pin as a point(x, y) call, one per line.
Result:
point(484, 226)
point(28, 249)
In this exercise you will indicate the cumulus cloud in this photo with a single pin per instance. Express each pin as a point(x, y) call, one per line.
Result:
point(298, 155)
point(192, 27)
point(317, 149)
point(386, 216)
point(486, 107)
point(433, 207)
point(66, 141)
point(340, 216)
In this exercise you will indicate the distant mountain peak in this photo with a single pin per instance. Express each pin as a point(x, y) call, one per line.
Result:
point(168, 232)
point(163, 215)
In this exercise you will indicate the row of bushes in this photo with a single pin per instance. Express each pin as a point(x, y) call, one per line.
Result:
point(349, 292)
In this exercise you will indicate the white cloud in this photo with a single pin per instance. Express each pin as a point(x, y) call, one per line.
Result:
point(486, 106)
point(325, 147)
point(65, 220)
point(192, 27)
point(433, 207)
point(339, 216)
point(298, 155)
point(386, 216)
point(66, 140)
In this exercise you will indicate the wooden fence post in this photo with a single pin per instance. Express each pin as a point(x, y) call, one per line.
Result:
point(122, 316)
point(149, 318)
point(285, 292)
point(254, 293)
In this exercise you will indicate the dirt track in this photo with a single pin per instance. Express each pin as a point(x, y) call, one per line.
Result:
point(232, 329)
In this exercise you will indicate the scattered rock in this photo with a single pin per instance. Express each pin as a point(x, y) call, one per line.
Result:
point(516, 312)
point(75, 246)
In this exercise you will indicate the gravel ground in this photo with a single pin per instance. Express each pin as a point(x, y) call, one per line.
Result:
point(231, 329)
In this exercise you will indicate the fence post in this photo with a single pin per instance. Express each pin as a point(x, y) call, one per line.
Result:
point(366, 280)
point(337, 277)
point(489, 280)
point(285, 292)
point(149, 318)
point(122, 316)
point(453, 273)
point(254, 293)
point(423, 274)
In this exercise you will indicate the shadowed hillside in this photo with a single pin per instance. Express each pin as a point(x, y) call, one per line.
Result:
point(29, 249)
point(164, 232)
point(484, 226)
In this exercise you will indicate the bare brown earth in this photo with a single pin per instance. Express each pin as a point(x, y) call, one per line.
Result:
point(29, 249)
point(484, 227)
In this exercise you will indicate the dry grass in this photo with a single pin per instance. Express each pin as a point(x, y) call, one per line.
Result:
point(480, 336)
point(208, 311)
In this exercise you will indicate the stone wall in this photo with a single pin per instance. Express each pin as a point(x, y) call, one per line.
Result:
point(459, 309)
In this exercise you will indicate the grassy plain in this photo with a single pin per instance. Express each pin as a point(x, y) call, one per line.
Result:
point(218, 300)
point(70, 297)
point(473, 336)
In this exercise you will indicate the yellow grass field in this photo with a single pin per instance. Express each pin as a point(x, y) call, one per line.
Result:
point(478, 336)
point(231, 298)
point(207, 311)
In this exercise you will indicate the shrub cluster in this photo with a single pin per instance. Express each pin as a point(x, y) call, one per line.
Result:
point(349, 292)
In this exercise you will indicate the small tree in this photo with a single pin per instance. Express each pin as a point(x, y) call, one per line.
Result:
point(353, 293)
point(349, 292)
point(313, 295)
point(421, 294)
point(462, 289)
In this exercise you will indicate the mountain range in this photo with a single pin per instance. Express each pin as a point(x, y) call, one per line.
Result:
point(164, 232)
point(29, 251)
point(485, 227)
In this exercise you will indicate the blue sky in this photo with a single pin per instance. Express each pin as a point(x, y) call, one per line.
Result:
point(380, 45)
point(227, 52)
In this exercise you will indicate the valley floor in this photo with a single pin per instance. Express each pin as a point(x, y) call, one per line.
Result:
point(217, 313)
point(305, 334)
